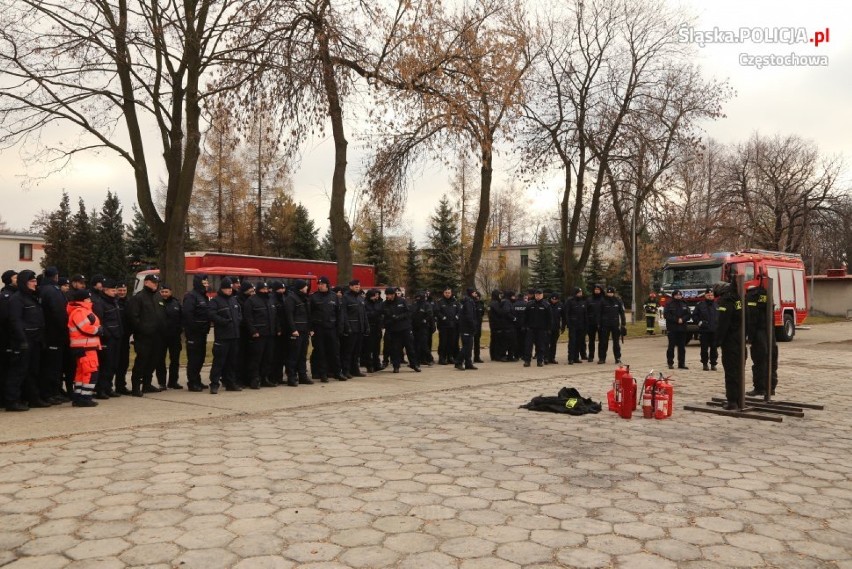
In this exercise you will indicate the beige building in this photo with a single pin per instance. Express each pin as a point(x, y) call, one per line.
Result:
point(21, 251)
point(832, 293)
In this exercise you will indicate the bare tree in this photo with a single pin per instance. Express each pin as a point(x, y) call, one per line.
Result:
point(109, 69)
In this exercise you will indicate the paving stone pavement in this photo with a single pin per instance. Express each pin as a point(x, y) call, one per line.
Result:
point(452, 478)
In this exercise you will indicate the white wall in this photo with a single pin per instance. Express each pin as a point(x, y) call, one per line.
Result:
point(10, 253)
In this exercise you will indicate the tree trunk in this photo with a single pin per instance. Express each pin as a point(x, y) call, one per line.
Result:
point(475, 255)
point(567, 255)
point(341, 232)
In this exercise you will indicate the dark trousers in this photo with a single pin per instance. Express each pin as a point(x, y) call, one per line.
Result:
point(149, 351)
point(552, 340)
point(22, 379)
point(123, 362)
point(280, 345)
point(731, 362)
point(171, 350)
point(259, 359)
point(649, 323)
point(5, 355)
point(224, 368)
point(297, 354)
point(371, 349)
point(603, 342)
point(477, 345)
point(448, 344)
point(107, 364)
point(351, 351)
point(760, 360)
point(593, 334)
point(325, 359)
point(496, 349)
point(196, 352)
point(576, 343)
point(421, 344)
point(395, 342)
point(537, 337)
point(520, 342)
point(69, 368)
point(677, 339)
point(50, 373)
point(464, 355)
point(709, 351)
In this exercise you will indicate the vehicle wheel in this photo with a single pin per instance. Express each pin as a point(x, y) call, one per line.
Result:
point(787, 330)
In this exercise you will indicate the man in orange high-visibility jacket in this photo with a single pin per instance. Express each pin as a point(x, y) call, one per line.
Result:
point(84, 332)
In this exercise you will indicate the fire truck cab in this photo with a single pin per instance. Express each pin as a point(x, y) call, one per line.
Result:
point(694, 273)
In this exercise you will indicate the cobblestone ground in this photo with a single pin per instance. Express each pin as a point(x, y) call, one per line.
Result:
point(460, 478)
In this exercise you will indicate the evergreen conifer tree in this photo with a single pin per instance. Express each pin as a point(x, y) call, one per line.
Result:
point(142, 249)
point(595, 270)
point(81, 243)
point(444, 245)
point(57, 235)
point(327, 252)
point(376, 253)
point(543, 267)
point(412, 270)
point(111, 252)
point(304, 243)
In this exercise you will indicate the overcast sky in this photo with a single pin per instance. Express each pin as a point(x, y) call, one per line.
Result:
point(814, 102)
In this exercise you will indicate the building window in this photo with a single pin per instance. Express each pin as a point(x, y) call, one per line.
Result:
point(25, 251)
point(525, 258)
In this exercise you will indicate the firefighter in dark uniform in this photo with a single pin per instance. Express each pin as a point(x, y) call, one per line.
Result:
point(498, 322)
point(355, 328)
point(113, 332)
point(576, 319)
point(372, 346)
point(196, 327)
point(259, 318)
point(327, 325)
point(650, 313)
point(396, 317)
point(26, 321)
point(613, 324)
point(279, 341)
point(519, 305)
point(477, 335)
point(54, 304)
point(243, 290)
point(297, 327)
point(226, 314)
point(593, 317)
point(537, 322)
point(422, 321)
point(557, 326)
point(172, 341)
point(10, 287)
point(677, 315)
point(762, 340)
point(510, 333)
point(728, 332)
point(467, 328)
point(147, 315)
point(447, 316)
point(124, 347)
point(707, 316)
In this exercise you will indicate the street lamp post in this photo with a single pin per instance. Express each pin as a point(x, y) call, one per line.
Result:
point(634, 305)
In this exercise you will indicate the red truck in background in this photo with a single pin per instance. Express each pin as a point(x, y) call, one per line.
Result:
point(255, 268)
point(693, 274)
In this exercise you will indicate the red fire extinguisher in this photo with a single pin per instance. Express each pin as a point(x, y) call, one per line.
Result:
point(664, 399)
point(615, 396)
point(648, 392)
point(628, 394)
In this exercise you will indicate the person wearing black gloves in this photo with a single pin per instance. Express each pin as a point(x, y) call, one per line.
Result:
point(764, 349)
point(355, 328)
point(422, 322)
point(113, 332)
point(677, 315)
point(84, 339)
point(54, 303)
point(396, 317)
point(259, 320)
point(10, 287)
point(196, 327)
point(576, 319)
point(467, 328)
point(146, 312)
point(371, 348)
point(477, 335)
point(499, 321)
point(327, 316)
point(447, 317)
point(557, 326)
point(593, 318)
point(297, 328)
point(707, 316)
point(728, 337)
point(538, 318)
point(613, 324)
point(26, 320)
point(172, 342)
point(226, 314)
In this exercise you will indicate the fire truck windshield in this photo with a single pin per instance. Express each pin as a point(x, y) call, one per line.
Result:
point(691, 277)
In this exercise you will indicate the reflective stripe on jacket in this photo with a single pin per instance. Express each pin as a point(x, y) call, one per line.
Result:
point(82, 332)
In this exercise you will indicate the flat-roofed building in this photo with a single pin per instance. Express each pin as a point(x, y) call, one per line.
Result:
point(20, 250)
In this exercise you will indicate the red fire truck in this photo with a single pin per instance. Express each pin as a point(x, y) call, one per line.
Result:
point(254, 268)
point(692, 274)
